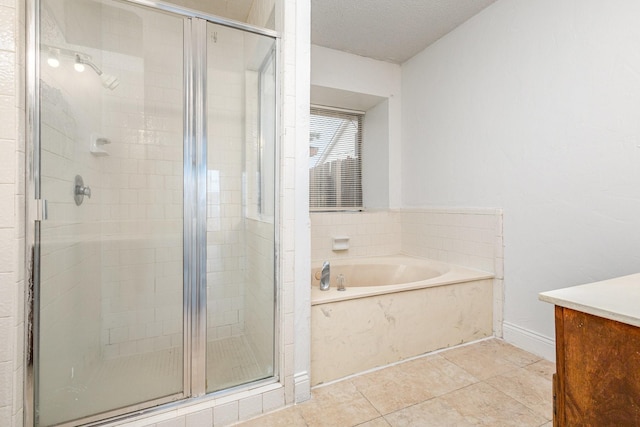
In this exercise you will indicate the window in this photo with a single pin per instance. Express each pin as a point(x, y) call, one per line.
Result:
point(335, 160)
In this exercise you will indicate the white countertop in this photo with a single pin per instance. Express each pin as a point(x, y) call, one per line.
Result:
point(615, 299)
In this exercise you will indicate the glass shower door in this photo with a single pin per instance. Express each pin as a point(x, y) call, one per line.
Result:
point(240, 229)
point(110, 317)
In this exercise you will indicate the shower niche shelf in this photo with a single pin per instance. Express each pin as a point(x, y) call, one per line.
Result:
point(97, 143)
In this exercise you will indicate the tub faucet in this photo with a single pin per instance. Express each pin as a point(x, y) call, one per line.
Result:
point(324, 278)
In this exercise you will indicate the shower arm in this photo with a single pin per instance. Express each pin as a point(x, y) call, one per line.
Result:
point(87, 61)
point(108, 81)
point(79, 57)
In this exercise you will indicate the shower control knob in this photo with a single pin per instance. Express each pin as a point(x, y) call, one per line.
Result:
point(80, 190)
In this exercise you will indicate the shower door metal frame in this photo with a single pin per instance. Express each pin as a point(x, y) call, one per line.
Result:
point(32, 200)
point(199, 237)
point(194, 211)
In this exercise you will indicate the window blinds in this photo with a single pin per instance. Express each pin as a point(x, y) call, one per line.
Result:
point(335, 160)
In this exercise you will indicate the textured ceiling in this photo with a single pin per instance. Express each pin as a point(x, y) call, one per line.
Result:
point(388, 30)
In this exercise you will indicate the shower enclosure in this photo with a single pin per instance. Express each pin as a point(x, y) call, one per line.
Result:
point(153, 208)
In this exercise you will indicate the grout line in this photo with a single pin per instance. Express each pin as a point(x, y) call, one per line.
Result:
point(421, 402)
point(370, 403)
point(525, 404)
point(534, 412)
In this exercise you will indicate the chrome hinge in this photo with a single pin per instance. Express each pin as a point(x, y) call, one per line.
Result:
point(41, 207)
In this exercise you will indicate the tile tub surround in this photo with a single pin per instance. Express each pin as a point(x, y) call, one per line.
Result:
point(373, 233)
point(470, 237)
point(354, 335)
point(486, 383)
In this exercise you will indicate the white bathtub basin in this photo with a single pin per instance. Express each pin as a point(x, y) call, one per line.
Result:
point(381, 275)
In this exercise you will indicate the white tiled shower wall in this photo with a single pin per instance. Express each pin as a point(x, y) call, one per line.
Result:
point(131, 226)
point(142, 184)
point(139, 184)
point(259, 298)
point(225, 223)
point(133, 218)
point(223, 411)
point(239, 238)
point(70, 245)
point(259, 307)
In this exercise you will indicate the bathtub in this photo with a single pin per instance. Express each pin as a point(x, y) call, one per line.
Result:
point(394, 308)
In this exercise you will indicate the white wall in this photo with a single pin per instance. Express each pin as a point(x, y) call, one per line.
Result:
point(533, 107)
point(375, 162)
point(371, 78)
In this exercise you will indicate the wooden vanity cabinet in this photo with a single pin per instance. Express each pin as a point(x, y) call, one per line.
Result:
point(597, 380)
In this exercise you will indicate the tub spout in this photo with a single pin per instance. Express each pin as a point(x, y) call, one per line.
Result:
point(324, 278)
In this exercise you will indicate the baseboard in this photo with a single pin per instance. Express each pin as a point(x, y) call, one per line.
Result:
point(302, 386)
point(530, 341)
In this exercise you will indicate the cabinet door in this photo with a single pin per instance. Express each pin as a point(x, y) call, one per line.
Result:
point(600, 376)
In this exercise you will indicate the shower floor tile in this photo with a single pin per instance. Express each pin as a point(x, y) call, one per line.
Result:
point(127, 380)
point(488, 383)
point(230, 361)
point(115, 383)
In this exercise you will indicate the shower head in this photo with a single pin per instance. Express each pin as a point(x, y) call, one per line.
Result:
point(108, 81)
point(81, 59)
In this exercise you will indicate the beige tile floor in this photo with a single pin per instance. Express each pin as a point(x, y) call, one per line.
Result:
point(488, 383)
